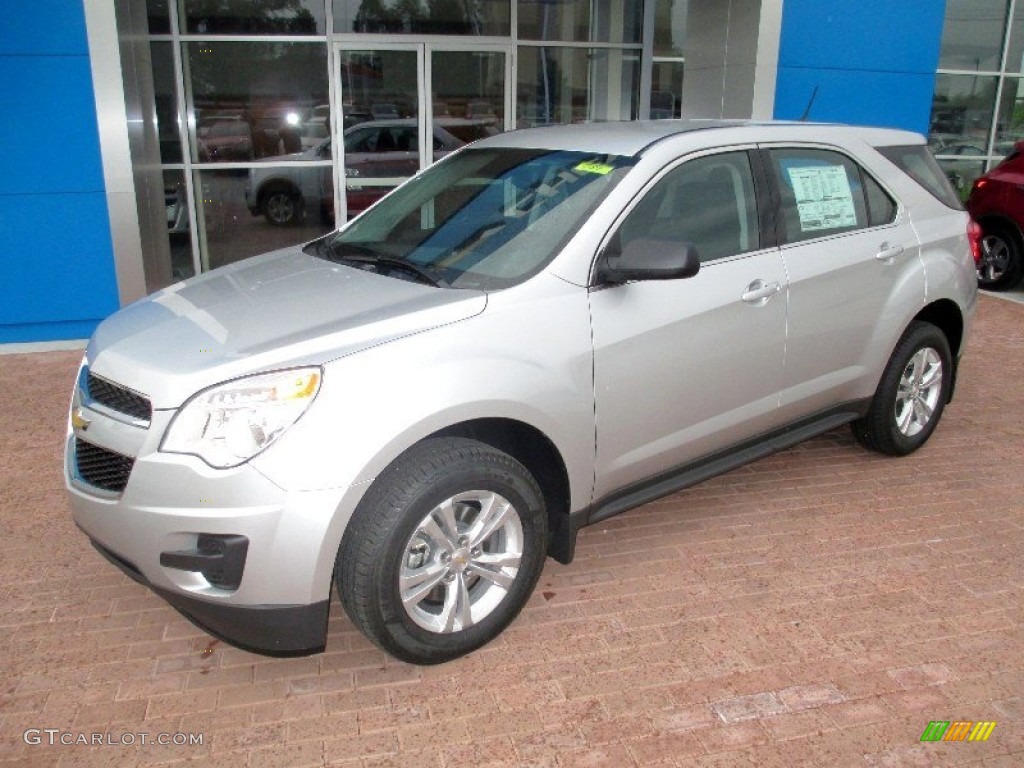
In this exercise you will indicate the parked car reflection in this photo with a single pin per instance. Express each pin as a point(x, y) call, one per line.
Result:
point(379, 155)
point(226, 140)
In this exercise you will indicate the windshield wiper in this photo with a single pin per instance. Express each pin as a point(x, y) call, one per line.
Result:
point(360, 254)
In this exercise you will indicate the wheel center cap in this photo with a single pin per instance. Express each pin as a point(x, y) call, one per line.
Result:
point(460, 559)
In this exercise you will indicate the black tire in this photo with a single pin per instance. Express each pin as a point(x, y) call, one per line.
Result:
point(909, 401)
point(1002, 259)
point(387, 534)
point(282, 207)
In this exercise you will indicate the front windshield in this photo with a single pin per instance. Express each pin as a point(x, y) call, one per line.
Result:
point(484, 218)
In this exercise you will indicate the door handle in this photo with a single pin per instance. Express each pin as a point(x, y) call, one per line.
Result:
point(888, 254)
point(759, 292)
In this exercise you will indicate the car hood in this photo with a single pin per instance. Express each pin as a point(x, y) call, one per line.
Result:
point(277, 310)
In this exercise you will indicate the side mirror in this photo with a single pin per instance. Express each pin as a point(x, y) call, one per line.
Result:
point(648, 259)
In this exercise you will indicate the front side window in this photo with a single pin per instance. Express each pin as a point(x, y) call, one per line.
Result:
point(484, 219)
point(821, 193)
point(708, 202)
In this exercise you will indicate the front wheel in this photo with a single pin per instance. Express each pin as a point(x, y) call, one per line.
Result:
point(911, 395)
point(444, 550)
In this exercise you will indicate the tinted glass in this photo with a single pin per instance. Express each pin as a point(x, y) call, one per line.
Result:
point(158, 17)
point(484, 218)
point(468, 89)
point(253, 17)
point(972, 36)
point(252, 99)
point(243, 213)
point(436, 17)
point(821, 193)
point(1015, 51)
point(573, 85)
point(583, 21)
point(708, 203)
point(666, 89)
point(166, 101)
point(178, 225)
point(962, 113)
point(1010, 120)
point(918, 164)
point(670, 27)
point(881, 207)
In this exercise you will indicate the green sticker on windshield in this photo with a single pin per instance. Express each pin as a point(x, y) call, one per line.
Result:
point(592, 167)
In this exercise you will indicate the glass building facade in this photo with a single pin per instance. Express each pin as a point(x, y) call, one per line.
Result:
point(978, 109)
point(275, 120)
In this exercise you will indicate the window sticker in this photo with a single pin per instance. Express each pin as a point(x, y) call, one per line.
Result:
point(594, 167)
point(823, 197)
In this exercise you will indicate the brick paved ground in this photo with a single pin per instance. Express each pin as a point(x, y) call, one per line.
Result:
point(817, 608)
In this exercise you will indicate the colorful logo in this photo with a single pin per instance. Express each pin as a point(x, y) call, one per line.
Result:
point(958, 730)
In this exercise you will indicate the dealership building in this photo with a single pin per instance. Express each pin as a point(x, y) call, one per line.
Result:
point(146, 141)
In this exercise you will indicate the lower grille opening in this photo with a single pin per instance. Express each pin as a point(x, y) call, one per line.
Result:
point(102, 468)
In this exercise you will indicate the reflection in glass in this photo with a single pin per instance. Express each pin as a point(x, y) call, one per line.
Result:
point(424, 17)
point(600, 21)
point(972, 38)
point(178, 225)
point(961, 174)
point(468, 90)
point(1015, 49)
point(1010, 118)
point(380, 109)
point(670, 27)
point(158, 17)
point(229, 228)
point(666, 89)
point(166, 98)
point(962, 112)
point(573, 85)
point(252, 100)
point(286, 195)
point(253, 17)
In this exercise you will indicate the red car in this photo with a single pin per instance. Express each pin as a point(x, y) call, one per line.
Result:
point(997, 204)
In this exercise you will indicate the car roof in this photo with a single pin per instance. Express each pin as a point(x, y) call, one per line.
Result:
point(631, 138)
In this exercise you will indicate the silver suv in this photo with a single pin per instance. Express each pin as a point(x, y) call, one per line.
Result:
point(542, 330)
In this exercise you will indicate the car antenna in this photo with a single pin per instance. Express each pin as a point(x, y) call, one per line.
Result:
point(807, 110)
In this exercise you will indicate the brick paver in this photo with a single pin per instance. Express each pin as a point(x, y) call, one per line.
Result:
point(817, 608)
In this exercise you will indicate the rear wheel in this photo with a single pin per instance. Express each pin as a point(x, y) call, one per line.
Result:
point(911, 395)
point(1001, 259)
point(444, 550)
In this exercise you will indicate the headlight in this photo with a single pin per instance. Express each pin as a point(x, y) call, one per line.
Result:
point(228, 424)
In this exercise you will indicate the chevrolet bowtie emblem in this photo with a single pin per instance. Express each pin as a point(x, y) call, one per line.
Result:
point(78, 420)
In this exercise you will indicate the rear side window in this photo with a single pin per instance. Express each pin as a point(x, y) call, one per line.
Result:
point(821, 193)
point(917, 162)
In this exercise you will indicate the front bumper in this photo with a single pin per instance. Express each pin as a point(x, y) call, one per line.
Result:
point(275, 601)
point(278, 630)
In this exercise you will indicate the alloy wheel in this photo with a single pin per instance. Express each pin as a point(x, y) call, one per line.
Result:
point(461, 561)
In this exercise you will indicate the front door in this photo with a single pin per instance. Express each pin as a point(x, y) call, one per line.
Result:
point(685, 368)
point(406, 105)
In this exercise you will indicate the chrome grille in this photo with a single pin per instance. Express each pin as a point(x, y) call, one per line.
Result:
point(104, 469)
point(119, 399)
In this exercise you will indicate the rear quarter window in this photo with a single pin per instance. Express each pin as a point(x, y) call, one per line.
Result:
point(917, 162)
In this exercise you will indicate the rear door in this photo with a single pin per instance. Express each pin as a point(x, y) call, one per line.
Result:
point(683, 368)
point(852, 258)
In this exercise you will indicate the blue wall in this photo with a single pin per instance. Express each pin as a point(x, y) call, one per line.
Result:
point(873, 61)
point(57, 276)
